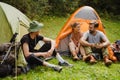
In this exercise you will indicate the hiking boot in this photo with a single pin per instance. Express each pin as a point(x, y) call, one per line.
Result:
point(75, 58)
point(65, 64)
point(57, 68)
point(108, 62)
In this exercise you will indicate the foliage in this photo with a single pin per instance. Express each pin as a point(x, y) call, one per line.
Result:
point(32, 8)
point(38, 8)
point(104, 7)
point(63, 7)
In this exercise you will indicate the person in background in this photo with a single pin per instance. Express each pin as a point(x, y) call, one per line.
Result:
point(95, 41)
point(74, 44)
point(32, 55)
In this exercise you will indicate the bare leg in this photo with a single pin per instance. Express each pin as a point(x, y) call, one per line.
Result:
point(82, 51)
point(73, 50)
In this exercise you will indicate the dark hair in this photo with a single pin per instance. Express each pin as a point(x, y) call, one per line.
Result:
point(96, 25)
point(75, 24)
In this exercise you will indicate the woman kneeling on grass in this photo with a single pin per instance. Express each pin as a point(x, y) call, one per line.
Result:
point(29, 42)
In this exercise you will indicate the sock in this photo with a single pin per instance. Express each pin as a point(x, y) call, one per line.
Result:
point(60, 59)
point(49, 65)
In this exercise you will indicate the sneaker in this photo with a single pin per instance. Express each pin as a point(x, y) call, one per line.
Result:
point(57, 68)
point(65, 64)
point(107, 61)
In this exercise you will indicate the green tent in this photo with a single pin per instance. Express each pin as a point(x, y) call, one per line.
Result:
point(11, 21)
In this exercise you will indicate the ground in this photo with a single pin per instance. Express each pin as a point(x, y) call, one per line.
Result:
point(80, 70)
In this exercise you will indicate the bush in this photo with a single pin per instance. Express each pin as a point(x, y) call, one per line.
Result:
point(39, 8)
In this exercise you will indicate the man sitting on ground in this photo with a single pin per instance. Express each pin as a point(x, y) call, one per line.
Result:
point(95, 41)
point(30, 40)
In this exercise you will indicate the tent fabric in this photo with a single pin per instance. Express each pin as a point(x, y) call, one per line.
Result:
point(82, 15)
point(11, 20)
point(86, 13)
point(4, 26)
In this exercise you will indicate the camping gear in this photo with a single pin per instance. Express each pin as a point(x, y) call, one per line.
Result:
point(116, 49)
point(12, 41)
point(12, 21)
point(9, 58)
point(5, 70)
point(83, 15)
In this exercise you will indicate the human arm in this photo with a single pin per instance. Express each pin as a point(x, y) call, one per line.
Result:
point(84, 41)
point(52, 44)
point(105, 41)
point(27, 53)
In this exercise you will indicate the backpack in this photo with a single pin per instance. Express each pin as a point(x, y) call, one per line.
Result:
point(116, 49)
point(8, 66)
point(5, 70)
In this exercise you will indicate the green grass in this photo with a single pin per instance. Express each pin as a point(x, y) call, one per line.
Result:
point(81, 70)
point(112, 29)
point(52, 25)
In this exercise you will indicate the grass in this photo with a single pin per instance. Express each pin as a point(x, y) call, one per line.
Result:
point(112, 29)
point(52, 25)
point(81, 70)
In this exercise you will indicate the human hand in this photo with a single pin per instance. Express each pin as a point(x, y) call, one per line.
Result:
point(46, 54)
point(92, 45)
point(50, 52)
point(99, 46)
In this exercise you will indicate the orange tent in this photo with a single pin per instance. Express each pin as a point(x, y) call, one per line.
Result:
point(83, 15)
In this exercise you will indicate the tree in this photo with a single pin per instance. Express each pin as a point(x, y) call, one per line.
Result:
point(39, 8)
